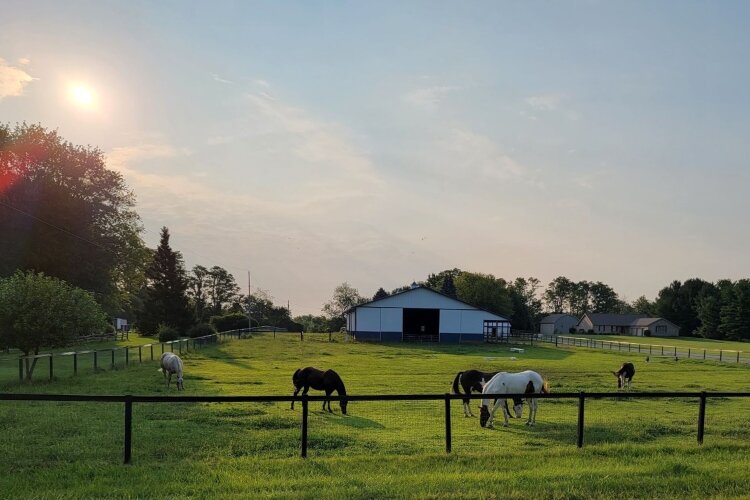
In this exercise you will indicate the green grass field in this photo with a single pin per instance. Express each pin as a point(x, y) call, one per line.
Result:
point(679, 342)
point(634, 448)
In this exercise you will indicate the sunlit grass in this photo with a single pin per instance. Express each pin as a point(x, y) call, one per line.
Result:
point(382, 449)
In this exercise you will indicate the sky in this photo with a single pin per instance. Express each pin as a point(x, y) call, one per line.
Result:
point(312, 143)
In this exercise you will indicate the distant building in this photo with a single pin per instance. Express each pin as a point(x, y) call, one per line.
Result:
point(422, 314)
point(557, 323)
point(626, 324)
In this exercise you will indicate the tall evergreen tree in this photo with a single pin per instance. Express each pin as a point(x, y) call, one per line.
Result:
point(166, 299)
point(380, 294)
point(449, 287)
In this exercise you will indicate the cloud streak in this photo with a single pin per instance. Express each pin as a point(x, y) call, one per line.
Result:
point(12, 80)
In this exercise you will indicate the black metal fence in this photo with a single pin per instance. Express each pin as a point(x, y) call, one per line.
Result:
point(446, 400)
point(111, 357)
point(727, 355)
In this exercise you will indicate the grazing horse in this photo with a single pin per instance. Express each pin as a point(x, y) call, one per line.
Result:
point(624, 375)
point(474, 380)
point(527, 382)
point(328, 381)
point(171, 363)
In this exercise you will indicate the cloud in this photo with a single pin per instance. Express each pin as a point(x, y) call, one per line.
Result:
point(262, 83)
point(429, 97)
point(24, 61)
point(547, 102)
point(121, 157)
point(12, 80)
point(478, 154)
point(219, 79)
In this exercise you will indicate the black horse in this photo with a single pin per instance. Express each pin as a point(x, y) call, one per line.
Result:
point(328, 381)
point(624, 375)
point(474, 380)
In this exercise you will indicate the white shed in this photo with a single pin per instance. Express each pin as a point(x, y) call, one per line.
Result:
point(422, 314)
point(557, 323)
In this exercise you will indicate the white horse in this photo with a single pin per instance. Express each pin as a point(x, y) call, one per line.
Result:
point(171, 363)
point(528, 382)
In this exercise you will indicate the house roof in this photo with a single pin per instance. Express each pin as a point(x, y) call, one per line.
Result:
point(623, 319)
point(614, 319)
point(418, 287)
point(552, 318)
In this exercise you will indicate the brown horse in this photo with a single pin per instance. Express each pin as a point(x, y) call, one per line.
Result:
point(328, 381)
point(624, 375)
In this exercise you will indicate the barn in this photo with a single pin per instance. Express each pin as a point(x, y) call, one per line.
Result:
point(422, 314)
point(557, 323)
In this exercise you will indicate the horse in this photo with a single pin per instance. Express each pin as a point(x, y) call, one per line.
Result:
point(624, 375)
point(527, 382)
point(474, 380)
point(328, 381)
point(171, 363)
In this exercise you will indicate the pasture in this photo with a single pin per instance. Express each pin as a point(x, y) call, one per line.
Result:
point(634, 448)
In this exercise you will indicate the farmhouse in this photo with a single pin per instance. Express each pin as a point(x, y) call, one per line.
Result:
point(627, 324)
point(557, 323)
point(422, 314)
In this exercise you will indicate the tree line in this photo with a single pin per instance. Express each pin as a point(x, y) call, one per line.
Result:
point(72, 219)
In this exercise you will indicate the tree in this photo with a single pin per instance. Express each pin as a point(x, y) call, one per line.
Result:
point(344, 297)
point(485, 291)
point(380, 294)
point(735, 311)
point(449, 287)
point(70, 216)
point(676, 303)
point(437, 281)
point(527, 307)
point(38, 311)
point(197, 291)
point(166, 300)
point(603, 298)
point(642, 305)
point(580, 297)
point(222, 289)
point(557, 295)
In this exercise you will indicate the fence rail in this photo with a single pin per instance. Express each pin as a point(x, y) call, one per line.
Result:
point(581, 397)
point(725, 355)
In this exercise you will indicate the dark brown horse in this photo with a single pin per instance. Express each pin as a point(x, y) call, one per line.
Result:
point(624, 375)
point(328, 381)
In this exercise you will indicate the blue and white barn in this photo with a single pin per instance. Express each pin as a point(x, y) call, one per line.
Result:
point(422, 314)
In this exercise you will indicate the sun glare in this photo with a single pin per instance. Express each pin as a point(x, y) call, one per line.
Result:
point(82, 96)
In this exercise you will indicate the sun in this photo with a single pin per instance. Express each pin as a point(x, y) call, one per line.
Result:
point(83, 96)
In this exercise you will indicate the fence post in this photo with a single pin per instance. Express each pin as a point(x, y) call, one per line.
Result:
point(113, 358)
point(51, 372)
point(140, 354)
point(301, 336)
point(75, 363)
point(329, 339)
point(662, 350)
point(162, 347)
point(701, 417)
point(738, 356)
point(152, 351)
point(304, 425)
point(20, 369)
point(688, 353)
point(555, 340)
point(581, 403)
point(704, 354)
point(721, 354)
point(127, 357)
point(128, 427)
point(675, 351)
point(171, 346)
point(180, 341)
point(96, 364)
point(447, 423)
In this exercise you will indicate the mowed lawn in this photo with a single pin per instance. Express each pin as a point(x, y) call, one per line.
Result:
point(643, 448)
point(682, 343)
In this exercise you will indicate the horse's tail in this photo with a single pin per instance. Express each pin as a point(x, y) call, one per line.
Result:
point(455, 382)
point(545, 386)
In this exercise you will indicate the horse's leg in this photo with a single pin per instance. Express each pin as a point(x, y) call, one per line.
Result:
point(498, 404)
point(328, 400)
point(296, 391)
point(169, 379)
point(532, 410)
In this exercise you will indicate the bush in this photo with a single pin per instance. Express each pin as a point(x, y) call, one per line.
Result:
point(647, 333)
point(572, 329)
point(201, 330)
point(167, 333)
point(591, 330)
point(233, 321)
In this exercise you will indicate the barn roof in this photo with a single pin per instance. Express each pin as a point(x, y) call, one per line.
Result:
point(552, 318)
point(422, 287)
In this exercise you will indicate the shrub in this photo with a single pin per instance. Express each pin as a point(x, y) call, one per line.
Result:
point(233, 321)
point(201, 330)
point(591, 330)
point(647, 333)
point(572, 329)
point(167, 333)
